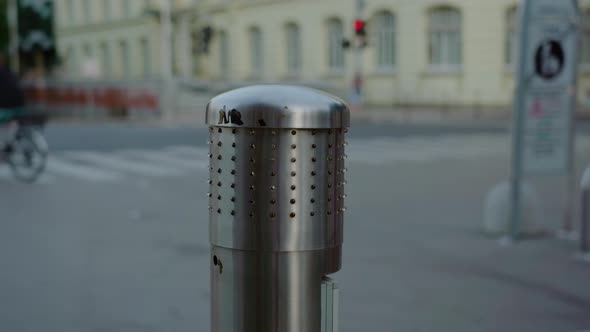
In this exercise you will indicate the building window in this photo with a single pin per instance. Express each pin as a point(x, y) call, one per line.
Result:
point(126, 8)
point(511, 38)
point(335, 36)
point(585, 45)
point(105, 59)
point(256, 52)
point(87, 11)
point(70, 64)
point(125, 59)
point(384, 34)
point(106, 10)
point(445, 39)
point(224, 60)
point(69, 11)
point(87, 51)
point(146, 57)
point(293, 38)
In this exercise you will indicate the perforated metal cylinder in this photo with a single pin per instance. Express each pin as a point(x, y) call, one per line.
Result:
point(276, 204)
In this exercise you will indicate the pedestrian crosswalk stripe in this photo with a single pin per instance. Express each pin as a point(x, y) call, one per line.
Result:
point(184, 160)
point(7, 176)
point(120, 163)
point(166, 157)
point(60, 166)
point(188, 151)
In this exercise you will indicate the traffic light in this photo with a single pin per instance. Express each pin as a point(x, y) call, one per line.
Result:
point(360, 32)
point(345, 43)
point(202, 40)
point(360, 29)
point(35, 32)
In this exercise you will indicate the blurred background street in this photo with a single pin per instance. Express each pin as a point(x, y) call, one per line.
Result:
point(113, 236)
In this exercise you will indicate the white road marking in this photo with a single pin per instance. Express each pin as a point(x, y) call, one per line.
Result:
point(66, 168)
point(125, 165)
point(166, 157)
point(181, 160)
point(189, 151)
point(6, 175)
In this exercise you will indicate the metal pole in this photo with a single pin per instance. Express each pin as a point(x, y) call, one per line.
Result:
point(585, 214)
point(358, 57)
point(584, 245)
point(518, 124)
point(568, 222)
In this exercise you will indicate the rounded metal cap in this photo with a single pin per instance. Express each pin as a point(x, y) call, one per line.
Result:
point(277, 106)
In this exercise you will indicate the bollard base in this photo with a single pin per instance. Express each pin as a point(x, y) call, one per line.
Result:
point(254, 291)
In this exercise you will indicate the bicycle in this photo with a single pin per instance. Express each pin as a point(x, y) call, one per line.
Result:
point(24, 148)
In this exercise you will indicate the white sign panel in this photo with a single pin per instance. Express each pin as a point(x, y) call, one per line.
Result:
point(548, 79)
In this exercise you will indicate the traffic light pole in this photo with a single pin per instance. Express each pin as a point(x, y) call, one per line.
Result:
point(14, 40)
point(357, 80)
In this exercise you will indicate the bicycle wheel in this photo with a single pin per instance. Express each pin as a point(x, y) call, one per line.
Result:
point(27, 155)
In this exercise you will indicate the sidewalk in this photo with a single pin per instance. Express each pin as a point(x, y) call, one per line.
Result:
point(430, 115)
point(411, 116)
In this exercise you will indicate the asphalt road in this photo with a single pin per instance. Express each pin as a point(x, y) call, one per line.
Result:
point(104, 137)
point(122, 245)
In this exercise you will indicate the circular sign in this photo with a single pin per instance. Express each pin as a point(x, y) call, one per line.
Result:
point(549, 59)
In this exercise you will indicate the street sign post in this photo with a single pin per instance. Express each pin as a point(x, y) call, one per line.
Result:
point(545, 95)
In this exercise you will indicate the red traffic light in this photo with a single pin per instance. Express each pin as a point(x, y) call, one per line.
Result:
point(359, 28)
point(359, 25)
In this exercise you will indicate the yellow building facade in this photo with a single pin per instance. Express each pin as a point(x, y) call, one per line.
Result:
point(121, 39)
point(459, 53)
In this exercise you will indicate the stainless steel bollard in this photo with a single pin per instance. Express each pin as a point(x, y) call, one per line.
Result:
point(276, 206)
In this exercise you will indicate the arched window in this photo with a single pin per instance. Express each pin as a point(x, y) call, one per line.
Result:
point(256, 52)
point(125, 59)
point(224, 60)
point(384, 34)
point(106, 10)
point(70, 65)
point(585, 37)
point(105, 54)
point(293, 38)
point(335, 30)
point(146, 59)
point(446, 46)
point(511, 37)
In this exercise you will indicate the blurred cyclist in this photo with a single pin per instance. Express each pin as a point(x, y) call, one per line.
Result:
point(11, 94)
point(12, 101)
